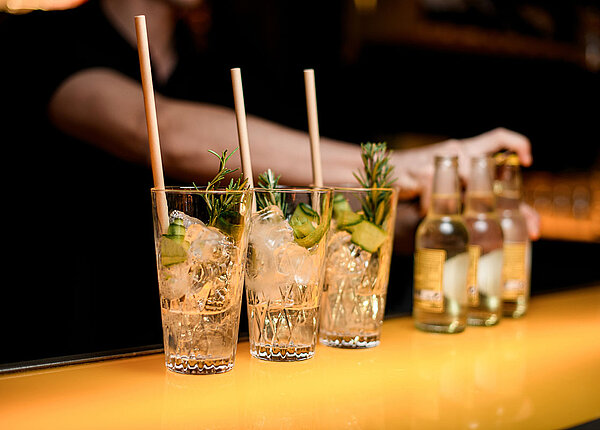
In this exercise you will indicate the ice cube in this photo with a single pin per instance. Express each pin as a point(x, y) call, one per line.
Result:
point(208, 243)
point(369, 283)
point(338, 240)
point(196, 301)
point(347, 263)
point(276, 264)
point(187, 219)
point(271, 213)
point(175, 281)
point(213, 257)
point(270, 230)
point(296, 263)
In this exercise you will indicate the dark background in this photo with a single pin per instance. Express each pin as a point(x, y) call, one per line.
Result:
point(408, 72)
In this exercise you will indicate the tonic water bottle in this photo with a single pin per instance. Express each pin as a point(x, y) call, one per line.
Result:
point(441, 256)
point(517, 247)
point(484, 280)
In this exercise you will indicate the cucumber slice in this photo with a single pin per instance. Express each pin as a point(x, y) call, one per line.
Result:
point(312, 238)
point(368, 236)
point(338, 198)
point(173, 247)
point(343, 214)
point(302, 230)
point(302, 220)
point(347, 219)
point(308, 212)
point(229, 222)
point(176, 229)
point(340, 204)
point(173, 251)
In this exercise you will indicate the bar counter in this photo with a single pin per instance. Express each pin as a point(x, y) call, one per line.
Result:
point(538, 372)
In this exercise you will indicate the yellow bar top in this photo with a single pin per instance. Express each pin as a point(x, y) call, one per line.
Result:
point(539, 372)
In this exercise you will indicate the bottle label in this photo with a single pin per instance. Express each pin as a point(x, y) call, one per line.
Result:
point(429, 276)
point(514, 270)
point(472, 289)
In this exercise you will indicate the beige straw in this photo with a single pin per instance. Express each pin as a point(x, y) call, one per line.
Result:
point(240, 114)
point(313, 126)
point(151, 121)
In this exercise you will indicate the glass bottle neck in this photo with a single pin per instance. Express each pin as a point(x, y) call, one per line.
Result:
point(480, 194)
point(507, 187)
point(445, 204)
point(445, 197)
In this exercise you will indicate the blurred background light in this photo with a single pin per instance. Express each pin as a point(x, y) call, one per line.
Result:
point(24, 6)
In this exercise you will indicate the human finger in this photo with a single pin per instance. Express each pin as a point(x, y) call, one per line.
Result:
point(532, 219)
point(497, 140)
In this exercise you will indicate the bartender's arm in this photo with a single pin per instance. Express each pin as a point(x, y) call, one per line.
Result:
point(106, 108)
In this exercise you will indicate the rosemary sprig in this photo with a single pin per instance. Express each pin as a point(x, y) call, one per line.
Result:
point(377, 173)
point(267, 180)
point(217, 204)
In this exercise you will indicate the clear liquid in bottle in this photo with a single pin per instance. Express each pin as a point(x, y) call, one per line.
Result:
point(516, 270)
point(441, 256)
point(484, 281)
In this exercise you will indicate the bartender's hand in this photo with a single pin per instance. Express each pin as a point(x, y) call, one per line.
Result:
point(415, 167)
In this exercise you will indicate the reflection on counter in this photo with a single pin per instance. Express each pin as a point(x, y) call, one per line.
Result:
point(483, 387)
point(537, 372)
point(568, 204)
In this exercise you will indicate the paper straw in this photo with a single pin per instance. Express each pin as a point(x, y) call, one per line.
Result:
point(151, 121)
point(313, 126)
point(242, 127)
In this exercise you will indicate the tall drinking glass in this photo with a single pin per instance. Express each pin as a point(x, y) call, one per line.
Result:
point(284, 273)
point(357, 271)
point(200, 257)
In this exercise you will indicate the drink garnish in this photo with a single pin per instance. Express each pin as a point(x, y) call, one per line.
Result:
point(221, 207)
point(221, 214)
point(306, 222)
point(268, 180)
point(173, 247)
point(366, 227)
point(377, 173)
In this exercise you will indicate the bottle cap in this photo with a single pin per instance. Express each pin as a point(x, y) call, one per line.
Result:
point(512, 160)
point(507, 158)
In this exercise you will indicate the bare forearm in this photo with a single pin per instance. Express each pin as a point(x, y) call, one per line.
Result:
point(104, 109)
point(272, 146)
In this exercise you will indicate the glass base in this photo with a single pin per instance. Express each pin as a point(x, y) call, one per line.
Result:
point(454, 327)
point(514, 309)
point(193, 366)
point(277, 353)
point(486, 320)
point(350, 342)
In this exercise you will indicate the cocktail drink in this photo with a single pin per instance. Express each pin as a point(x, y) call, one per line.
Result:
point(357, 269)
point(284, 271)
point(200, 260)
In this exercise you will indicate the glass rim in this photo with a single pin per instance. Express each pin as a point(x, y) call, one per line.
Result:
point(362, 189)
point(291, 190)
point(190, 189)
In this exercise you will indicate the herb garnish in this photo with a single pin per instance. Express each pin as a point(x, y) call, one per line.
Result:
point(218, 204)
point(377, 173)
point(267, 180)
